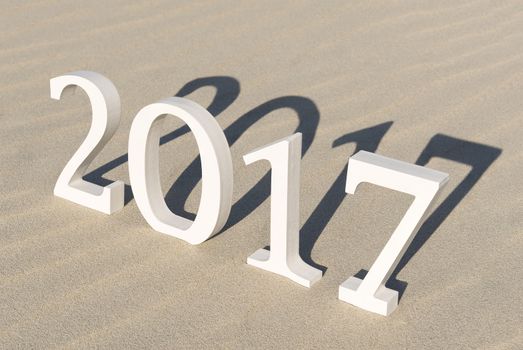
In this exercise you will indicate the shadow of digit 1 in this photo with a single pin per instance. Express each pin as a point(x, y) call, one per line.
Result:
point(480, 157)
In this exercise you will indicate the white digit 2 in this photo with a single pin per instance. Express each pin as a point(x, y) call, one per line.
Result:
point(424, 184)
point(217, 176)
point(105, 103)
point(283, 258)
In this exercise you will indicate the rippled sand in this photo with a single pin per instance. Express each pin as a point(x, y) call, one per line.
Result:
point(437, 83)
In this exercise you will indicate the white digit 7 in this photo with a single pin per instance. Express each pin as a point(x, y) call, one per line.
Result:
point(283, 258)
point(105, 103)
point(424, 184)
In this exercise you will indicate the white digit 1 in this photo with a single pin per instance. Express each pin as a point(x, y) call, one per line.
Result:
point(144, 172)
point(283, 258)
point(422, 183)
point(105, 104)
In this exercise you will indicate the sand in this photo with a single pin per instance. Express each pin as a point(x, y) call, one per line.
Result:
point(434, 83)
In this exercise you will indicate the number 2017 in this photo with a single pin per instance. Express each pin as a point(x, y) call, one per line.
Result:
point(284, 156)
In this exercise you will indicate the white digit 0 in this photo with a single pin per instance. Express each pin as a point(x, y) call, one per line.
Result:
point(424, 184)
point(105, 103)
point(217, 176)
point(283, 258)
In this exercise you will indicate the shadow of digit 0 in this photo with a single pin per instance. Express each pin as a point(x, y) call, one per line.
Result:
point(308, 119)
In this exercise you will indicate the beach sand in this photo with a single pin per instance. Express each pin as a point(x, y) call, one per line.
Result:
point(434, 83)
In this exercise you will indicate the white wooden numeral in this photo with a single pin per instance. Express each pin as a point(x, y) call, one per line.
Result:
point(105, 104)
point(284, 156)
point(217, 176)
point(283, 257)
point(422, 183)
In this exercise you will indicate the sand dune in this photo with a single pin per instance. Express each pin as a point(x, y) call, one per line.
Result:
point(436, 83)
